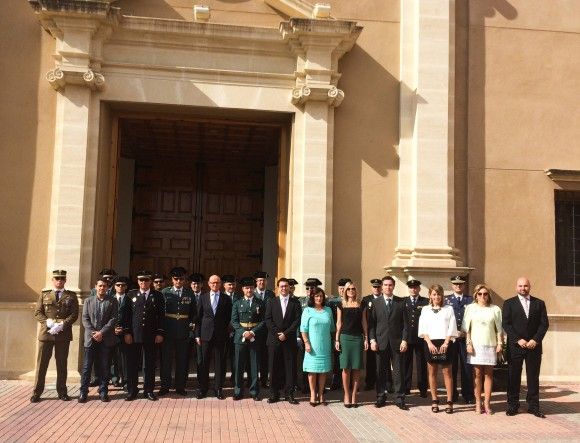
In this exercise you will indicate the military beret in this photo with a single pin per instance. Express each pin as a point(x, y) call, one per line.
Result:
point(247, 281)
point(261, 274)
point(413, 283)
point(457, 279)
point(196, 277)
point(59, 273)
point(144, 274)
point(178, 271)
point(292, 282)
point(228, 278)
point(343, 281)
point(312, 282)
point(107, 272)
point(376, 282)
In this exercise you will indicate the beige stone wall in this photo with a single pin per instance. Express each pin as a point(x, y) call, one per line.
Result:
point(26, 140)
point(523, 105)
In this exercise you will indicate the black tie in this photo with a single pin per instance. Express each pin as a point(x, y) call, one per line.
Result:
point(388, 305)
point(57, 295)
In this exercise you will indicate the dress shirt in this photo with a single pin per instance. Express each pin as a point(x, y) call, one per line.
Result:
point(437, 325)
point(284, 304)
point(525, 301)
point(214, 296)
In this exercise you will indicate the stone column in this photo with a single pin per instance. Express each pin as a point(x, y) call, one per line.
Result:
point(426, 244)
point(318, 45)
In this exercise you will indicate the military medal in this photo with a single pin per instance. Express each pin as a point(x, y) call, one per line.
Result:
point(370, 304)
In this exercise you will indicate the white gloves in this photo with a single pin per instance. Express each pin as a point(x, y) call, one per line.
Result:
point(56, 328)
point(49, 323)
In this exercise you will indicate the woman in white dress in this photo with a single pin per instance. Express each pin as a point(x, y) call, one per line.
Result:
point(438, 329)
point(484, 339)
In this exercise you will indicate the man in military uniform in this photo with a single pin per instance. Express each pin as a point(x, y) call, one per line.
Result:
point(158, 282)
point(119, 352)
point(413, 305)
point(264, 294)
point(143, 321)
point(332, 302)
point(229, 285)
point(56, 311)
point(311, 285)
point(248, 322)
point(180, 314)
point(458, 301)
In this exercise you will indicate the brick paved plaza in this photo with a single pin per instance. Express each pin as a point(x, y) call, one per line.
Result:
point(187, 419)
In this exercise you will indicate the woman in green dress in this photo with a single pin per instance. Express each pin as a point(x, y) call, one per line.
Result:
point(351, 339)
point(317, 326)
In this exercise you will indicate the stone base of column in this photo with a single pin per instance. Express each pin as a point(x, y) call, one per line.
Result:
point(428, 275)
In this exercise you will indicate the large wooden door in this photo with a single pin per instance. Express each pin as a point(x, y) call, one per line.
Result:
point(196, 216)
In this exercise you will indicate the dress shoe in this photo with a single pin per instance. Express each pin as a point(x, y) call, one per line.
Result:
point(219, 394)
point(104, 397)
point(536, 413)
point(64, 397)
point(312, 403)
point(290, 399)
point(273, 399)
point(381, 401)
point(201, 394)
point(407, 392)
point(181, 392)
point(150, 396)
point(256, 397)
point(511, 412)
point(35, 398)
point(237, 397)
point(162, 392)
point(83, 398)
point(130, 397)
point(402, 406)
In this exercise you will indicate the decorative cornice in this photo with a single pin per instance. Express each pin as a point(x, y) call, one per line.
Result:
point(330, 94)
point(58, 79)
point(563, 175)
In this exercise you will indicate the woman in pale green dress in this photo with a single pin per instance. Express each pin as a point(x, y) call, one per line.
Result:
point(317, 326)
point(482, 325)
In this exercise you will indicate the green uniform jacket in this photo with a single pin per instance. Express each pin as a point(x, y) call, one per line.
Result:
point(66, 310)
point(243, 313)
point(184, 306)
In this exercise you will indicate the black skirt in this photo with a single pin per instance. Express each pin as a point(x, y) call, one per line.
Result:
point(440, 359)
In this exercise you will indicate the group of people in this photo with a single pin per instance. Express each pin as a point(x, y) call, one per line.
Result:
point(267, 335)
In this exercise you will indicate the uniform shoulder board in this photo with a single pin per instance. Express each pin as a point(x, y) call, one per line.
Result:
point(46, 291)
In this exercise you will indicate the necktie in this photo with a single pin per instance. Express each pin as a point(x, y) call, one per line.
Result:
point(144, 294)
point(414, 301)
point(57, 295)
point(388, 305)
point(261, 295)
point(527, 306)
point(284, 305)
point(214, 301)
point(179, 292)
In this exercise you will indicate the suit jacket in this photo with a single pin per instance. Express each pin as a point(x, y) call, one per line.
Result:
point(288, 324)
point(210, 325)
point(518, 326)
point(243, 312)
point(143, 318)
point(65, 310)
point(388, 329)
point(268, 295)
point(185, 307)
point(108, 320)
point(458, 306)
point(413, 314)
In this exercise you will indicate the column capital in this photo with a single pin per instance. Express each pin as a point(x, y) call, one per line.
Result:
point(79, 27)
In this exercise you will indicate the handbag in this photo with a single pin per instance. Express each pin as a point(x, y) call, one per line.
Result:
point(439, 357)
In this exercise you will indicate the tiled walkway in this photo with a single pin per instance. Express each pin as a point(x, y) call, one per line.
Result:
point(210, 420)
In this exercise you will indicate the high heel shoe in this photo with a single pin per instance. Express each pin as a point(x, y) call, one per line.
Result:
point(435, 406)
point(449, 408)
point(488, 410)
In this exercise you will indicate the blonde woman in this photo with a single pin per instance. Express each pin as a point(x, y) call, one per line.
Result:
point(351, 340)
point(484, 339)
point(438, 329)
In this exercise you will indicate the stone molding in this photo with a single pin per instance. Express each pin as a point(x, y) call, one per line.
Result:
point(330, 94)
point(563, 175)
point(58, 79)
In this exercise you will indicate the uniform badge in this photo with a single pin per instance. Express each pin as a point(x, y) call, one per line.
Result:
point(257, 309)
point(370, 304)
point(134, 299)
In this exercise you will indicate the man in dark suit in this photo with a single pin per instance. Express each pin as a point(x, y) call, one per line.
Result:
point(264, 294)
point(388, 333)
point(525, 321)
point(413, 305)
point(458, 301)
point(99, 319)
point(180, 315)
point(196, 284)
point(119, 351)
point(142, 320)
point(282, 321)
point(229, 285)
point(213, 328)
point(56, 310)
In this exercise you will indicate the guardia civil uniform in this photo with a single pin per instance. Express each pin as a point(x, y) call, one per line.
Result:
point(247, 315)
point(56, 310)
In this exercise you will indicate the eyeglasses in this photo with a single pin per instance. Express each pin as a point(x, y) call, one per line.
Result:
point(483, 293)
point(120, 284)
point(178, 278)
point(60, 278)
point(351, 289)
point(144, 279)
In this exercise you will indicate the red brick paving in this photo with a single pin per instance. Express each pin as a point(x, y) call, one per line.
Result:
point(181, 419)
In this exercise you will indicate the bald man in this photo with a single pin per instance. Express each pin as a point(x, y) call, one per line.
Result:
point(214, 312)
point(525, 321)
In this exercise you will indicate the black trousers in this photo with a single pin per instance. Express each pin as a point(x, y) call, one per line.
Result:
point(415, 350)
point(533, 359)
point(282, 365)
point(216, 350)
point(43, 359)
point(97, 356)
point(384, 360)
point(175, 354)
point(231, 358)
point(148, 351)
point(246, 356)
point(119, 362)
point(264, 360)
point(460, 361)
